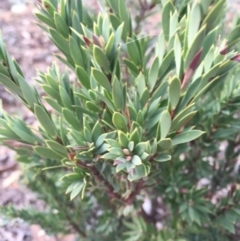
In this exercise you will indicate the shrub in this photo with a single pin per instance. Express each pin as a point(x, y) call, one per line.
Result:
point(145, 121)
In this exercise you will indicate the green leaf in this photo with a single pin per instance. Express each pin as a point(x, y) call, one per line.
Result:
point(109, 156)
point(101, 58)
point(224, 223)
point(119, 121)
point(58, 148)
point(116, 151)
point(165, 121)
point(145, 97)
point(132, 67)
point(183, 121)
point(136, 160)
point(153, 74)
point(66, 100)
point(3, 70)
point(174, 90)
point(165, 144)
point(160, 48)
point(114, 5)
point(140, 148)
point(51, 81)
point(205, 5)
point(195, 47)
point(61, 25)
point(193, 214)
point(78, 187)
point(117, 94)
point(178, 55)
point(160, 91)
point(116, 23)
point(133, 51)
point(83, 77)
point(10, 85)
point(45, 120)
point(186, 136)
point(29, 94)
point(70, 117)
point(140, 118)
point(102, 147)
point(109, 46)
point(189, 94)
point(182, 113)
point(173, 25)
point(60, 41)
point(163, 158)
point(45, 19)
point(106, 101)
point(213, 15)
point(92, 106)
point(23, 134)
point(101, 78)
point(135, 136)
point(166, 13)
point(194, 22)
point(121, 167)
point(141, 84)
point(48, 153)
point(76, 52)
point(49, 7)
point(113, 143)
point(52, 92)
point(166, 64)
point(131, 146)
point(124, 15)
point(233, 36)
point(140, 171)
point(97, 131)
point(123, 139)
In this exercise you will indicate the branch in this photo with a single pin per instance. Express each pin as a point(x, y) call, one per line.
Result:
point(63, 207)
point(110, 190)
point(133, 195)
point(144, 7)
point(94, 171)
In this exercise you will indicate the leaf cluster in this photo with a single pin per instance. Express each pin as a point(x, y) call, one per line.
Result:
point(143, 118)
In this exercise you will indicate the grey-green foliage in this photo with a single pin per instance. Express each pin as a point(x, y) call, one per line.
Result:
point(133, 124)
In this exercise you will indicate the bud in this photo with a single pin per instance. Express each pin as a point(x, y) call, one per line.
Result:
point(126, 152)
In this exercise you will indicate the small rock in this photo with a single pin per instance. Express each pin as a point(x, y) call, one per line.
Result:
point(18, 8)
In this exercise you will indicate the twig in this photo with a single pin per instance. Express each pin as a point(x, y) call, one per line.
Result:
point(93, 170)
point(144, 7)
point(133, 195)
point(8, 168)
point(63, 207)
point(110, 190)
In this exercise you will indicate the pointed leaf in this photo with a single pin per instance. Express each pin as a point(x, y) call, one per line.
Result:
point(186, 136)
point(163, 158)
point(101, 78)
point(165, 144)
point(136, 160)
point(153, 74)
point(123, 139)
point(117, 94)
point(83, 77)
point(45, 120)
point(174, 92)
point(165, 121)
point(101, 58)
point(119, 121)
point(48, 153)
